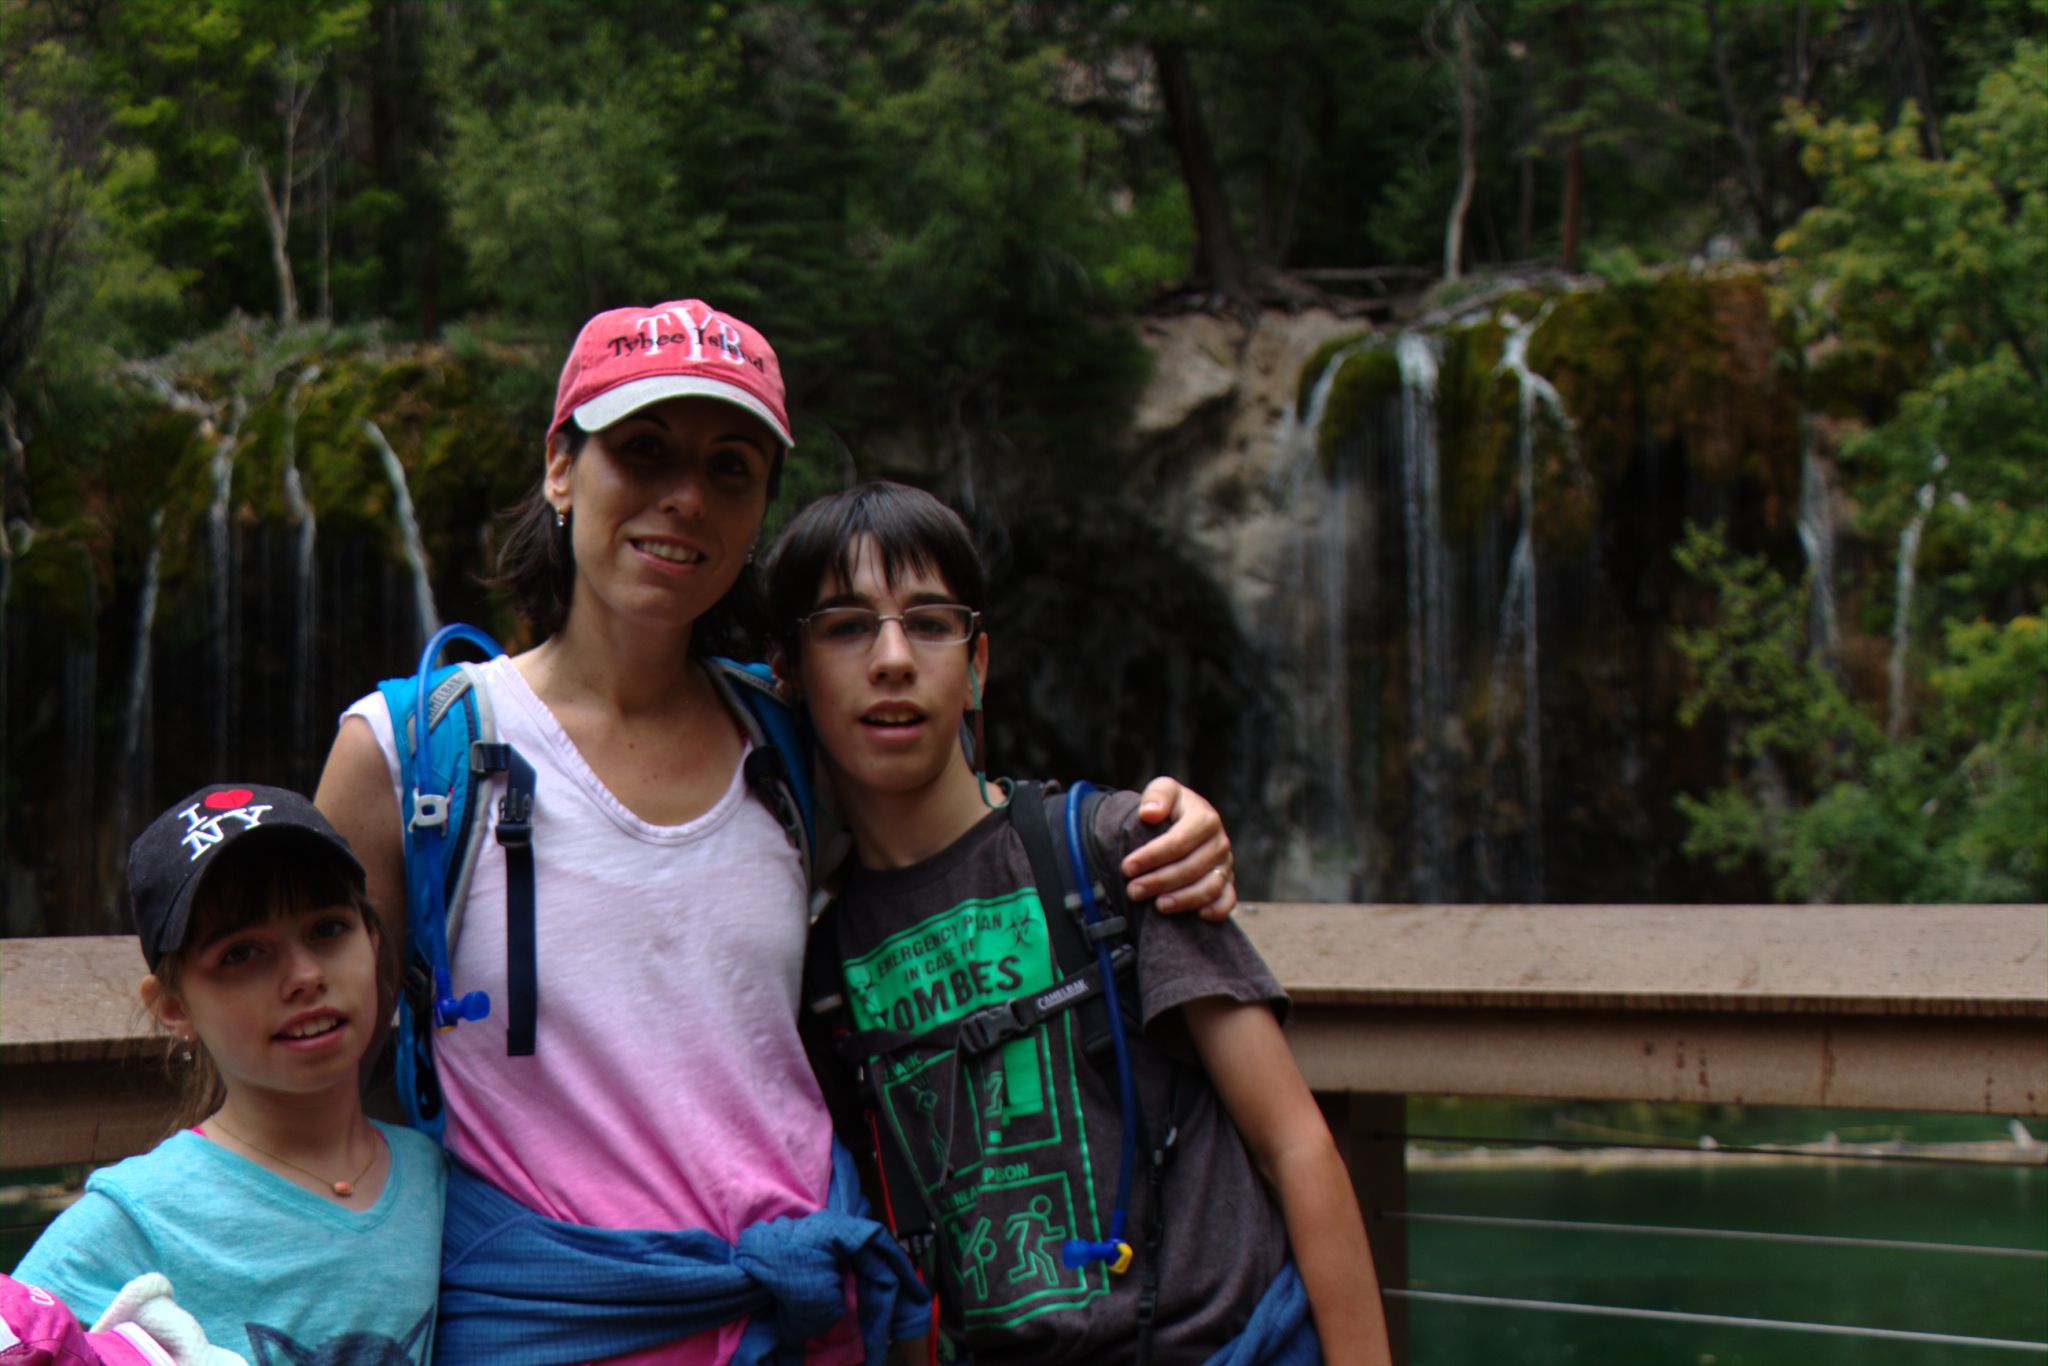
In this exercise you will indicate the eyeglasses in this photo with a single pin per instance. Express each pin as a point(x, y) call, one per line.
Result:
point(855, 628)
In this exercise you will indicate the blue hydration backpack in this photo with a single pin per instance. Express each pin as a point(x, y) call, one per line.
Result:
point(450, 760)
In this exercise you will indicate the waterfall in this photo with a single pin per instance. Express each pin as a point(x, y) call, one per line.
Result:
point(1334, 861)
point(304, 600)
point(134, 775)
point(1817, 537)
point(1902, 602)
point(1299, 432)
point(1428, 610)
point(1336, 674)
point(221, 569)
point(1519, 619)
point(1326, 576)
point(80, 713)
point(409, 528)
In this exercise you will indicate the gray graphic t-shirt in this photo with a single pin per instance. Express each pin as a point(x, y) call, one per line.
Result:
point(1017, 1150)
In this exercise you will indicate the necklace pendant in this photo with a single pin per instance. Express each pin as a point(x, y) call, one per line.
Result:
point(344, 1189)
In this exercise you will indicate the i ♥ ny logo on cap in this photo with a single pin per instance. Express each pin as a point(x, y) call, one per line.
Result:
point(626, 358)
point(170, 858)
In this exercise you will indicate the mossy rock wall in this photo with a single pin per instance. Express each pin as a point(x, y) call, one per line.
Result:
point(1681, 397)
point(130, 475)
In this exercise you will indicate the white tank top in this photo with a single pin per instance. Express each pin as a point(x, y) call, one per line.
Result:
point(668, 1088)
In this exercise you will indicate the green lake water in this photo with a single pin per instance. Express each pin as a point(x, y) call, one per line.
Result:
point(1964, 1294)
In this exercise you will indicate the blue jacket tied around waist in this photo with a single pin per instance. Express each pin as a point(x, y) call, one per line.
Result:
point(1281, 1331)
point(521, 1289)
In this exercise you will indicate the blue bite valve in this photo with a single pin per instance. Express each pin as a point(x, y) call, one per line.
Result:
point(1076, 1253)
point(449, 1011)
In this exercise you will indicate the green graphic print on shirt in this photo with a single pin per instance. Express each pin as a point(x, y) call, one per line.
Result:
point(998, 1145)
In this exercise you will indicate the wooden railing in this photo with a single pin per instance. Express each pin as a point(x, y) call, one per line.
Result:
point(1854, 1007)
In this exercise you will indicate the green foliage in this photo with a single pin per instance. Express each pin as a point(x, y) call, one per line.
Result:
point(77, 282)
point(568, 192)
point(1916, 264)
point(1912, 261)
point(1833, 807)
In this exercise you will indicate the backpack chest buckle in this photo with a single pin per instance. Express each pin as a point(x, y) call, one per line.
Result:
point(986, 1028)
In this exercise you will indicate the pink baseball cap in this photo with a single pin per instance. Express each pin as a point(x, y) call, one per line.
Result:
point(627, 358)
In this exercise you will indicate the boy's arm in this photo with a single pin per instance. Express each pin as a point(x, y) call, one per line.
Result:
point(1254, 1073)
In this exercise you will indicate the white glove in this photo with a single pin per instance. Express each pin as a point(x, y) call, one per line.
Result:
point(145, 1307)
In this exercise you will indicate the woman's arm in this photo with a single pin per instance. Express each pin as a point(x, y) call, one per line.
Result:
point(1187, 867)
point(355, 795)
point(1248, 1061)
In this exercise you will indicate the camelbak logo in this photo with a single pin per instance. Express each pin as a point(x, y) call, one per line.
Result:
point(203, 831)
point(1060, 995)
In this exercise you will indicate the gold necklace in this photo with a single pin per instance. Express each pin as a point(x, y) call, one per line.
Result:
point(342, 1189)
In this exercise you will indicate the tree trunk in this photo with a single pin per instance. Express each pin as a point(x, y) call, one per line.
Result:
point(1574, 171)
point(277, 217)
point(1921, 78)
point(1739, 129)
point(1466, 71)
point(1219, 261)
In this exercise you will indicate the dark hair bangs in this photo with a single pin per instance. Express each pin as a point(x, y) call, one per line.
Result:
point(911, 531)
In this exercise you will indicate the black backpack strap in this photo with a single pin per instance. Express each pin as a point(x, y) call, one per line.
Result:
point(1038, 814)
point(826, 1025)
point(997, 1024)
point(515, 832)
point(1160, 1152)
point(823, 1022)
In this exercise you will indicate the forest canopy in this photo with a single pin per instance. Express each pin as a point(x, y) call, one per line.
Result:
point(946, 206)
point(951, 214)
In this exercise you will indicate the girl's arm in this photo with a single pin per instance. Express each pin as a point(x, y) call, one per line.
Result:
point(87, 1254)
point(1187, 866)
point(1248, 1061)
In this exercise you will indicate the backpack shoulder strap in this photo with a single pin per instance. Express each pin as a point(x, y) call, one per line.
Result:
point(447, 747)
point(1038, 815)
point(779, 768)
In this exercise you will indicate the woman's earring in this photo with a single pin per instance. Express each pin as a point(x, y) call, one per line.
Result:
point(561, 518)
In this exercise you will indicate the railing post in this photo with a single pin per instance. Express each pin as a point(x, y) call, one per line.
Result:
point(1372, 1134)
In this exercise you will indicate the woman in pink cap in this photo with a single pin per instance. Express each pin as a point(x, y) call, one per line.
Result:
point(655, 1178)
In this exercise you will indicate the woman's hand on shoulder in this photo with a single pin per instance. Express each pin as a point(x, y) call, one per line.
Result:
point(1188, 866)
point(355, 795)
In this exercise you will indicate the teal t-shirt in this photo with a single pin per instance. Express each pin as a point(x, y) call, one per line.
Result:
point(269, 1270)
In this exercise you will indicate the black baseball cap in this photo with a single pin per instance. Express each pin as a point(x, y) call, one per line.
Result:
point(169, 859)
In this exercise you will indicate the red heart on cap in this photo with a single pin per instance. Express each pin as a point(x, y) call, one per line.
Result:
point(229, 799)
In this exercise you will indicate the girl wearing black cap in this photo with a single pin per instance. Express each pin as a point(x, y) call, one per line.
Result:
point(287, 1222)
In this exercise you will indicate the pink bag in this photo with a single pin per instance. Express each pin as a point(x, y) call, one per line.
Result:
point(37, 1330)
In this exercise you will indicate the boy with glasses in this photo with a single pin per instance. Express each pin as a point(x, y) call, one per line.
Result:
point(1010, 1144)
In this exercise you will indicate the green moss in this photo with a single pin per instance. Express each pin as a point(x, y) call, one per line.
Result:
point(1590, 347)
point(1476, 422)
point(1366, 378)
point(57, 578)
point(1319, 362)
point(1697, 364)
